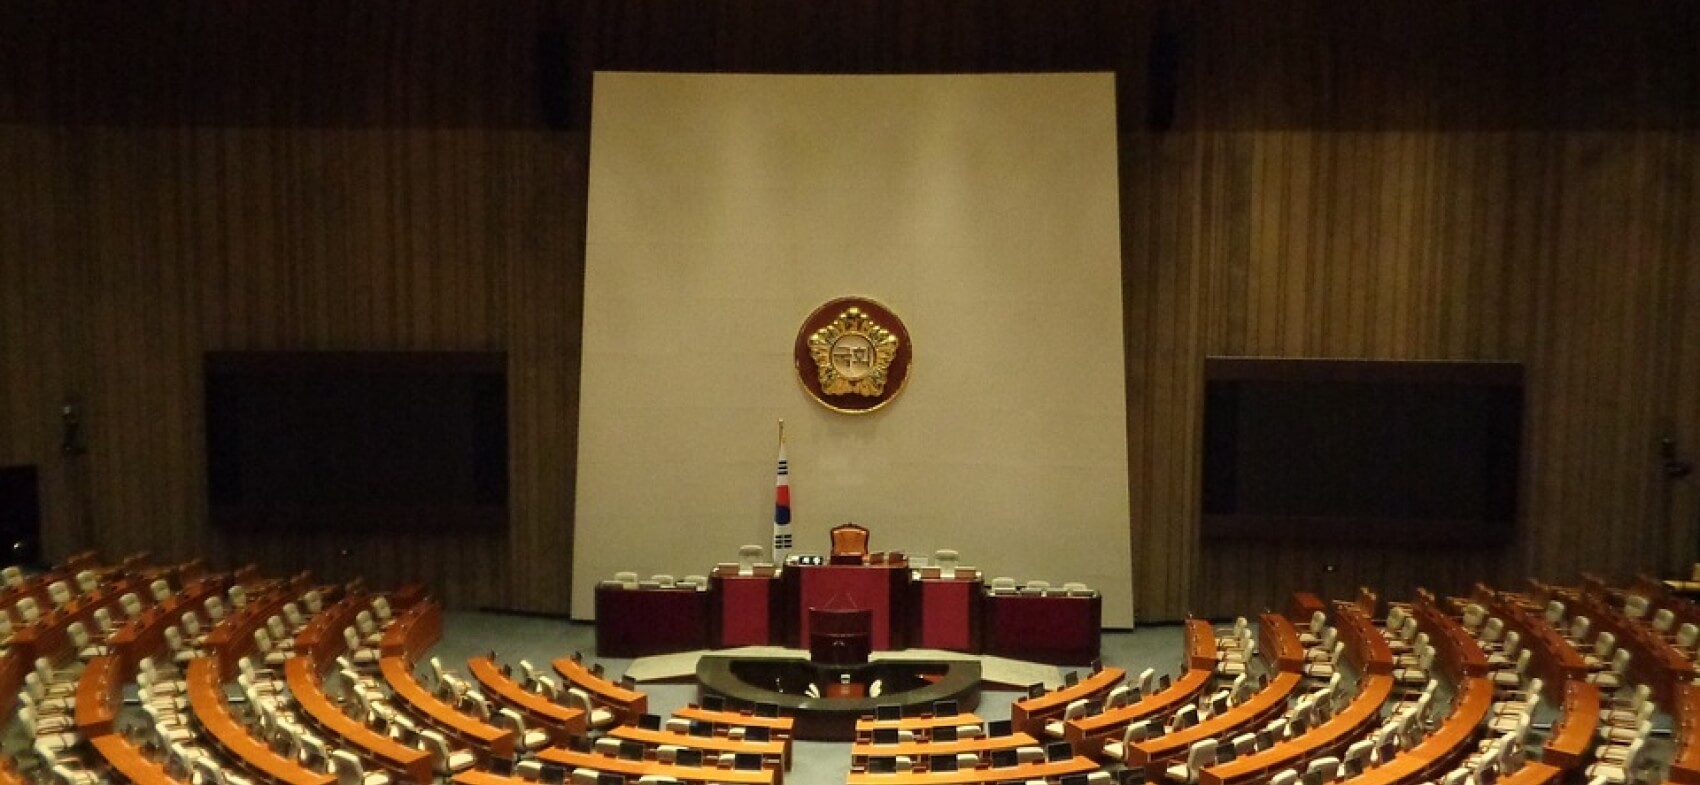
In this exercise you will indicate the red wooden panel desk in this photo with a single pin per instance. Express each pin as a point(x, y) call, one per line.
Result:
point(747, 610)
point(639, 622)
point(1060, 630)
point(881, 588)
point(1441, 749)
point(946, 611)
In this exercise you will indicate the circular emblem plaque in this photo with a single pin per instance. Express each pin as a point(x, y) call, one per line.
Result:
point(852, 355)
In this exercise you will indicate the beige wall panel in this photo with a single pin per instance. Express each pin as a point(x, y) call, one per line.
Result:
point(982, 209)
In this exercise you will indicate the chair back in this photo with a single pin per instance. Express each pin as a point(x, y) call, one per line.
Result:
point(849, 544)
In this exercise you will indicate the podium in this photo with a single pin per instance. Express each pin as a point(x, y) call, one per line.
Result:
point(840, 637)
point(879, 588)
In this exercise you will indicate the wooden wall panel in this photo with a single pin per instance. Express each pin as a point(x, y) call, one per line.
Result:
point(1559, 250)
point(226, 239)
point(1339, 179)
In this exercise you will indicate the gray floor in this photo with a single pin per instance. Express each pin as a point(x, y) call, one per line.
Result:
point(467, 634)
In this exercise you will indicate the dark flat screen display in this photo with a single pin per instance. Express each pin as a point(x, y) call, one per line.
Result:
point(410, 440)
point(1343, 449)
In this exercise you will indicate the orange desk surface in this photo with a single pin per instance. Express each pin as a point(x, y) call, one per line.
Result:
point(1262, 706)
point(1090, 734)
point(206, 698)
point(492, 740)
point(626, 704)
point(1021, 772)
point(717, 744)
point(1030, 713)
point(125, 759)
point(634, 769)
point(921, 725)
point(561, 721)
point(391, 754)
point(860, 751)
point(1364, 710)
point(780, 726)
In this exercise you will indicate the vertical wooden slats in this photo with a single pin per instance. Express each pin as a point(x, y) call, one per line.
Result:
point(1341, 179)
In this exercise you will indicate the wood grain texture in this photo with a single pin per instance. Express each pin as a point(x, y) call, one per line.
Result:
point(1537, 247)
point(1514, 180)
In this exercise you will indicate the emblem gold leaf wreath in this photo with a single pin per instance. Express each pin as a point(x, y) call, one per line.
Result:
point(853, 354)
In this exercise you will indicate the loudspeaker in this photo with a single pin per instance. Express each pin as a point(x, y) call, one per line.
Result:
point(554, 71)
point(1162, 73)
point(20, 514)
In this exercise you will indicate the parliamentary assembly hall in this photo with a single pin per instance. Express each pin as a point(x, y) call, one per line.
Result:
point(872, 392)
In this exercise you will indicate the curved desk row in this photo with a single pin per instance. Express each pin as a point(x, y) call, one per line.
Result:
point(1090, 734)
point(561, 721)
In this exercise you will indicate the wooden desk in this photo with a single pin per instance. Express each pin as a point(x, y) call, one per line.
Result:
point(1366, 648)
point(745, 610)
point(1532, 773)
point(233, 638)
point(981, 746)
point(413, 632)
point(1090, 734)
point(487, 739)
point(1654, 661)
point(321, 640)
point(1567, 746)
point(1199, 638)
point(144, 636)
point(9, 775)
point(206, 699)
point(1031, 714)
point(1442, 749)
point(1278, 641)
point(777, 750)
point(1325, 739)
point(946, 611)
point(779, 727)
point(920, 726)
point(1685, 716)
point(561, 721)
point(1551, 657)
point(1055, 629)
point(128, 761)
point(1454, 648)
point(1265, 705)
point(1302, 606)
point(626, 704)
point(644, 621)
point(303, 681)
point(48, 637)
point(1024, 772)
point(635, 769)
point(99, 692)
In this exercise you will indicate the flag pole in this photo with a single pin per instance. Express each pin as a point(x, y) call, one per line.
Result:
point(782, 503)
